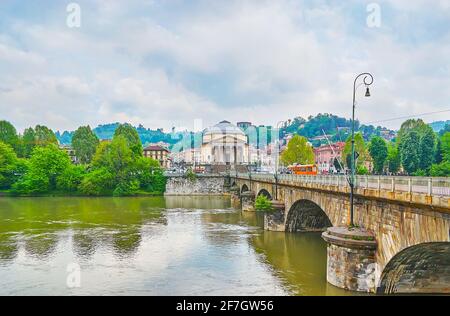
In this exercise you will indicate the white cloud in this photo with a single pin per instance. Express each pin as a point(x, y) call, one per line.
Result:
point(141, 62)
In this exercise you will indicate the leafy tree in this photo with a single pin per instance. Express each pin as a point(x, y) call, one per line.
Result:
point(118, 160)
point(427, 148)
point(70, 179)
point(438, 156)
point(150, 175)
point(417, 125)
point(445, 146)
point(44, 136)
point(409, 151)
point(379, 152)
point(97, 182)
point(298, 151)
point(441, 170)
point(39, 136)
point(393, 159)
point(8, 134)
point(132, 138)
point(360, 148)
point(27, 142)
point(46, 165)
point(9, 165)
point(84, 142)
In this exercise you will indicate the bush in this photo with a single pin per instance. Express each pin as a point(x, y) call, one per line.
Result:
point(190, 175)
point(441, 170)
point(362, 170)
point(262, 203)
point(127, 188)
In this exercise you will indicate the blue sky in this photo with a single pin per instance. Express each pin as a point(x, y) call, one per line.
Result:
point(166, 63)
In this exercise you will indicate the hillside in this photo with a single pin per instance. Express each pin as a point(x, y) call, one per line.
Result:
point(106, 131)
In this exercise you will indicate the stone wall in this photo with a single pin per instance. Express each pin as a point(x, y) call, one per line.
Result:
point(202, 185)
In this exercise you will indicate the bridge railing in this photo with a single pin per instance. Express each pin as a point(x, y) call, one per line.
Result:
point(431, 186)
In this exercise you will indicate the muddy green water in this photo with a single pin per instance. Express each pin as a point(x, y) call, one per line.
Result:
point(152, 246)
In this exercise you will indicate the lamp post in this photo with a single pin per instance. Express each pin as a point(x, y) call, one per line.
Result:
point(277, 157)
point(367, 81)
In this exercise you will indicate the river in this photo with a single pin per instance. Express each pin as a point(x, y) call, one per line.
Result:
point(152, 246)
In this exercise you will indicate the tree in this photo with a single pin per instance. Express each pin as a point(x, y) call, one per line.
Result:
point(379, 152)
point(427, 149)
point(27, 142)
point(131, 136)
point(298, 151)
point(44, 136)
point(438, 156)
point(8, 134)
point(445, 146)
point(150, 175)
point(70, 179)
point(417, 125)
point(45, 166)
point(360, 148)
point(409, 151)
point(39, 136)
point(85, 143)
point(10, 167)
point(117, 160)
point(97, 182)
point(393, 159)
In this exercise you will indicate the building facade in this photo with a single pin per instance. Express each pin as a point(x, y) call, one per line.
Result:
point(224, 144)
point(158, 153)
point(325, 156)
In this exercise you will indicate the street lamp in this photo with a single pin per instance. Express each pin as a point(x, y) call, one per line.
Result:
point(367, 81)
point(277, 160)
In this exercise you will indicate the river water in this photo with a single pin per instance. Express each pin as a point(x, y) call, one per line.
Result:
point(152, 246)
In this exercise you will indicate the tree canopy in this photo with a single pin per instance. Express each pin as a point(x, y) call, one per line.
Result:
point(298, 151)
point(8, 134)
point(379, 152)
point(84, 142)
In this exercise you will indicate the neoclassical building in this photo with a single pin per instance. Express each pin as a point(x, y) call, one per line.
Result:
point(224, 143)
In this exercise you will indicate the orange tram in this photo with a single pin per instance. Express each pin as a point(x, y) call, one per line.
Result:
point(304, 170)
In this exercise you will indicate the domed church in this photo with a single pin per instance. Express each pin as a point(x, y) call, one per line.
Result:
point(224, 144)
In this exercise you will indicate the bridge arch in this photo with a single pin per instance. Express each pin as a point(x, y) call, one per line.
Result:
point(305, 215)
point(244, 188)
point(423, 268)
point(265, 193)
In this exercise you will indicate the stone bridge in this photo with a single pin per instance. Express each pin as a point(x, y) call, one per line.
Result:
point(409, 219)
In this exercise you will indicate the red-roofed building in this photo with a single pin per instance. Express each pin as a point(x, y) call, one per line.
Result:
point(159, 153)
point(325, 155)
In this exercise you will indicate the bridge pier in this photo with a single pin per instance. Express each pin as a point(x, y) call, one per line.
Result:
point(351, 258)
point(235, 198)
point(248, 201)
point(274, 220)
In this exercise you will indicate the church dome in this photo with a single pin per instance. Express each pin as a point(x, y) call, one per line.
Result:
point(223, 127)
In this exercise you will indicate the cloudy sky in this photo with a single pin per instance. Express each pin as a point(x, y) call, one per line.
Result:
point(164, 63)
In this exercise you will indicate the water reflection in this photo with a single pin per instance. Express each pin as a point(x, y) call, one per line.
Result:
point(36, 224)
point(154, 246)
